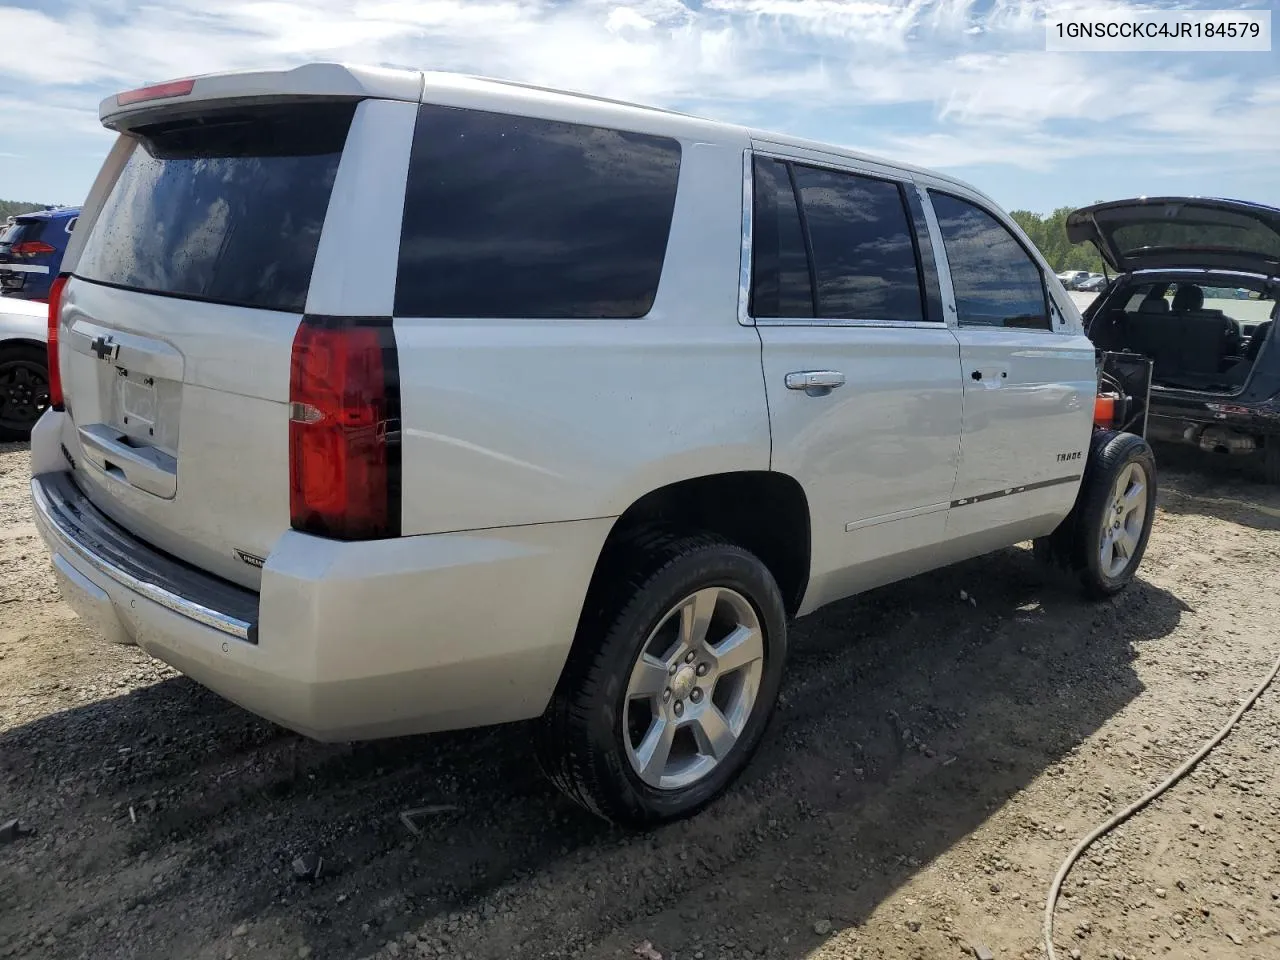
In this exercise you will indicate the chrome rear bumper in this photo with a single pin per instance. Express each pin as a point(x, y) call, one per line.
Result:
point(75, 529)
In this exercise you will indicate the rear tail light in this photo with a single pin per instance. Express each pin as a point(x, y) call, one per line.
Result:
point(31, 248)
point(344, 408)
point(157, 91)
point(55, 371)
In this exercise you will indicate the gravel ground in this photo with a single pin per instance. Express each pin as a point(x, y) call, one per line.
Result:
point(935, 756)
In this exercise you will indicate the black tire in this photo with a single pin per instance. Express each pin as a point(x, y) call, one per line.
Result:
point(24, 389)
point(580, 738)
point(1076, 546)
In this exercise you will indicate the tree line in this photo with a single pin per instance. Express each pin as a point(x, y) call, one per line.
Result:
point(1049, 234)
point(11, 208)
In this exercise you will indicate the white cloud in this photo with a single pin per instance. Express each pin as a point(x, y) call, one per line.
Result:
point(623, 18)
point(943, 82)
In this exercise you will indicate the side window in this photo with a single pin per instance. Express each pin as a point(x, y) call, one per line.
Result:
point(996, 282)
point(1137, 297)
point(864, 254)
point(780, 282)
point(515, 217)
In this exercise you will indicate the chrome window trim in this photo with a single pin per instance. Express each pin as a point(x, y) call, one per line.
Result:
point(744, 268)
point(949, 315)
point(838, 165)
point(744, 274)
point(841, 322)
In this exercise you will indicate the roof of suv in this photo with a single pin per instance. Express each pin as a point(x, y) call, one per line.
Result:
point(50, 214)
point(400, 83)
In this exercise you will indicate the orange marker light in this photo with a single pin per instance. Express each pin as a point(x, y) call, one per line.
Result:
point(1104, 410)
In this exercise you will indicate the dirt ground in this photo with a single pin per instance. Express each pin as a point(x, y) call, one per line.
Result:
point(932, 761)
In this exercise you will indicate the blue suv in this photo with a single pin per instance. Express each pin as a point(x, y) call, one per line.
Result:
point(31, 249)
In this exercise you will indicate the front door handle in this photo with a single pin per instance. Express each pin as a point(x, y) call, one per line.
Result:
point(823, 381)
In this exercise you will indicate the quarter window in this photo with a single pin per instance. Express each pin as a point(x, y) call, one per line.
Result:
point(996, 282)
point(515, 217)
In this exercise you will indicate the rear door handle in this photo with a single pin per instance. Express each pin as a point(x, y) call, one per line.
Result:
point(815, 381)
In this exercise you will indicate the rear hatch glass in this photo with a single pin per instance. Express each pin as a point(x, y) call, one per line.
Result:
point(14, 268)
point(1206, 233)
point(1172, 232)
point(225, 207)
point(21, 230)
point(179, 321)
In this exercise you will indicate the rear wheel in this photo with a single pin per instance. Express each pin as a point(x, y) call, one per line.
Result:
point(24, 389)
point(671, 683)
point(1104, 538)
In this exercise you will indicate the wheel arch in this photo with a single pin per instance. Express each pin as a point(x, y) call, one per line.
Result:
point(10, 342)
point(763, 511)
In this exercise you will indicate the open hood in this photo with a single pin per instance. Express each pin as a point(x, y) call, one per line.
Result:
point(1153, 233)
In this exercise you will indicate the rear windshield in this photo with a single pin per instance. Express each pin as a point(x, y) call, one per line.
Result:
point(1215, 230)
point(227, 206)
point(22, 230)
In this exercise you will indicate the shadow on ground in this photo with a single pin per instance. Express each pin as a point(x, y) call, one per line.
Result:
point(1215, 485)
point(908, 716)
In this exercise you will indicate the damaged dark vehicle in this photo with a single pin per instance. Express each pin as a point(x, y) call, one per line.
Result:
point(1196, 293)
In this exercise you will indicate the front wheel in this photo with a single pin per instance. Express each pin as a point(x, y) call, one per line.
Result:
point(671, 682)
point(1104, 538)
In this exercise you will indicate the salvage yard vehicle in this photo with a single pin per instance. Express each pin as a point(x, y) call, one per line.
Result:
point(388, 402)
point(24, 359)
point(1197, 293)
point(31, 250)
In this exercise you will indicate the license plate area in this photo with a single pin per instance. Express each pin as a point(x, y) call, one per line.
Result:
point(138, 403)
point(145, 408)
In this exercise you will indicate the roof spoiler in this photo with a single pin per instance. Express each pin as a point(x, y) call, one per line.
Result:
point(326, 80)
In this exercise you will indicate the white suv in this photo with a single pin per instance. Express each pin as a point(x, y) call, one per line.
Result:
point(386, 402)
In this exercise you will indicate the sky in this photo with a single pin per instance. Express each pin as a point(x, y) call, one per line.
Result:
point(960, 86)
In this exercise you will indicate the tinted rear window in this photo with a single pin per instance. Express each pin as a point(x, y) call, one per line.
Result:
point(781, 283)
point(1214, 230)
point(863, 254)
point(22, 230)
point(509, 216)
point(226, 207)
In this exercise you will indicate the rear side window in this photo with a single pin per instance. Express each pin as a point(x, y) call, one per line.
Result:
point(226, 207)
point(996, 282)
point(515, 217)
point(781, 285)
point(832, 244)
point(864, 257)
